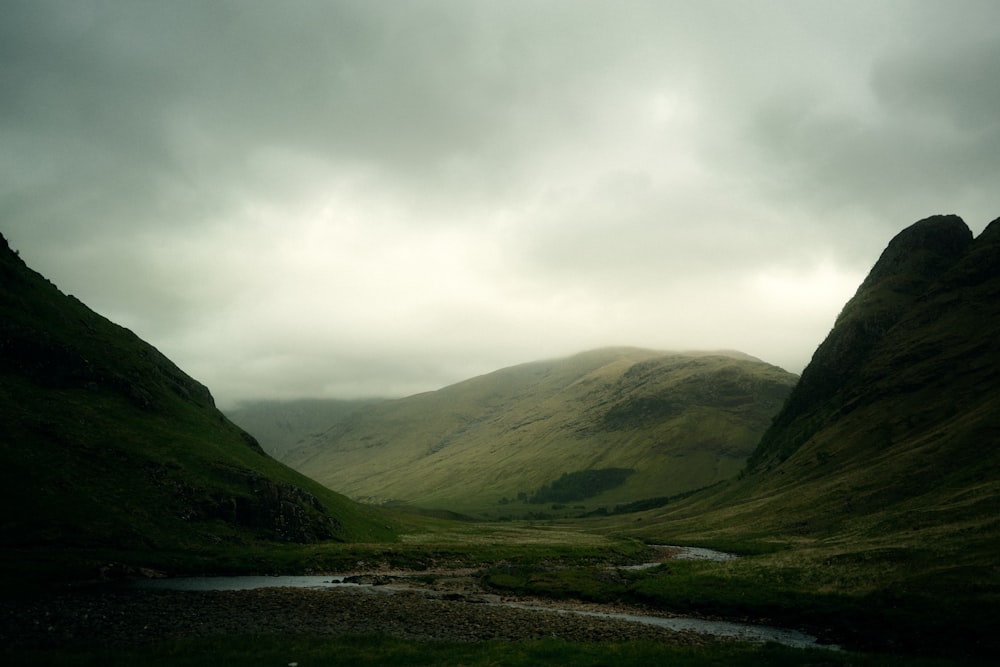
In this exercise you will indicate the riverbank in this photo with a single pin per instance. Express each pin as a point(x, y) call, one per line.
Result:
point(448, 605)
point(127, 617)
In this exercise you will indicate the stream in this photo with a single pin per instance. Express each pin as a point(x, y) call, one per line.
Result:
point(394, 582)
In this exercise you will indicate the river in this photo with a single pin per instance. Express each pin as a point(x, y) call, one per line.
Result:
point(389, 583)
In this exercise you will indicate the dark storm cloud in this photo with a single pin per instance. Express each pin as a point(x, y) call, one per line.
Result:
point(926, 138)
point(337, 198)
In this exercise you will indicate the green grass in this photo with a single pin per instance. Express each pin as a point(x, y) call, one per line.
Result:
point(267, 651)
point(876, 598)
point(434, 544)
point(882, 600)
point(138, 476)
point(680, 421)
point(106, 444)
point(875, 524)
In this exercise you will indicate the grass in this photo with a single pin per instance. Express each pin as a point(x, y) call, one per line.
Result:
point(268, 651)
point(881, 600)
point(877, 528)
point(433, 544)
point(681, 421)
point(876, 598)
point(137, 475)
point(107, 444)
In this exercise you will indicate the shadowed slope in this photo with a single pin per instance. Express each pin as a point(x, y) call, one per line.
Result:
point(892, 432)
point(106, 443)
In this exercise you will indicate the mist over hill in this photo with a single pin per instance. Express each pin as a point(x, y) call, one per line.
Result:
point(490, 444)
point(280, 426)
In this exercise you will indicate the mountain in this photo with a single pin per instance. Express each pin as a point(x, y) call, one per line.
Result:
point(279, 426)
point(106, 444)
point(601, 428)
point(914, 265)
point(892, 432)
point(876, 491)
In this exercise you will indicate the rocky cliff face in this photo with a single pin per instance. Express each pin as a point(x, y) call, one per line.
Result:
point(278, 510)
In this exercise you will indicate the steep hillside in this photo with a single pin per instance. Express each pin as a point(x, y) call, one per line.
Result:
point(107, 444)
point(911, 263)
point(652, 424)
point(892, 433)
point(911, 418)
point(878, 485)
point(279, 426)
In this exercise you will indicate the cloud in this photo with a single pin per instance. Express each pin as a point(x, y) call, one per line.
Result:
point(361, 198)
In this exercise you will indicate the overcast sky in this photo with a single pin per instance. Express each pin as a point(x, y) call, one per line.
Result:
point(339, 199)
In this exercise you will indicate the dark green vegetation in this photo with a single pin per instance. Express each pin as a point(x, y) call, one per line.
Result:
point(892, 432)
point(267, 651)
point(880, 478)
point(482, 447)
point(573, 486)
point(820, 598)
point(107, 445)
point(868, 514)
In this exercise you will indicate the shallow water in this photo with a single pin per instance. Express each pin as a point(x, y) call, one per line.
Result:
point(684, 553)
point(727, 629)
point(241, 583)
point(699, 553)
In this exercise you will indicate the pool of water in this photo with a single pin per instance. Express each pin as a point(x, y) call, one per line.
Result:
point(241, 583)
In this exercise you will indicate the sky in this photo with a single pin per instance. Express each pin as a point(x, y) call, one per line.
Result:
point(343, 199)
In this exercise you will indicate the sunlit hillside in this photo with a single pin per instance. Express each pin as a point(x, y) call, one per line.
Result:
point(667, 422)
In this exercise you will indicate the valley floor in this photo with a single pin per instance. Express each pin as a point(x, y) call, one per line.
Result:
point(90, 624)
point(129, 617)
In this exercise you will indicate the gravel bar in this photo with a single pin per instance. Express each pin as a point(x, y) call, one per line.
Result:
point(136, 617)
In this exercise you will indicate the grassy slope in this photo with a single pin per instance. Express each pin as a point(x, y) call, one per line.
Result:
point(107, 445)
point(681, 421)
point(881, 498)
point(906, 442)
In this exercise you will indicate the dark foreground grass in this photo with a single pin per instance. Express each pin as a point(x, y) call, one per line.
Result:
point(379, 650)
point(919, 620)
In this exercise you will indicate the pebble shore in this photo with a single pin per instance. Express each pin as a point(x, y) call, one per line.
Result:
point(135, 617)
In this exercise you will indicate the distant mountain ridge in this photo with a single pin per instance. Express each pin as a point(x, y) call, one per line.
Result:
point(280, 425)
point(108, 444)
point(679, 421)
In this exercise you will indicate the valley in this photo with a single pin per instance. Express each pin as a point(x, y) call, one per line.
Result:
point(861, 498)
point(438, 589)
